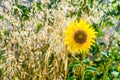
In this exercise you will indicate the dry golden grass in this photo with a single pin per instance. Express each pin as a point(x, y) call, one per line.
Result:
point(31, 55)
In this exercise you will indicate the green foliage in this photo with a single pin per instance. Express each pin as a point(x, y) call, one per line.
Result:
point(2, 59)
point(38, 5)
point(38, 27)
point(72, 65)
point(7, 32)
point(1, 17)
point(105, 60)
point(71, 78)
point(86, 61)
point(0, 72)
point(24, 10)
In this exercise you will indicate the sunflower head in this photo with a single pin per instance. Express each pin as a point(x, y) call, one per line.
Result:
point(79, 36)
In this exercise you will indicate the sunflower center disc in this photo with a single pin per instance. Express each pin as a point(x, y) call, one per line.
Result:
point(80, 36)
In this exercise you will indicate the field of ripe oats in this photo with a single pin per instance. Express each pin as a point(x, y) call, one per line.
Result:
point(59, 39)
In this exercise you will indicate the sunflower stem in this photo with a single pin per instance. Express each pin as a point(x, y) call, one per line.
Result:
point(75, 58)
point(83, 66)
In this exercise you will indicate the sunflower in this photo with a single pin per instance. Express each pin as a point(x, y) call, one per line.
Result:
point(79, 36)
